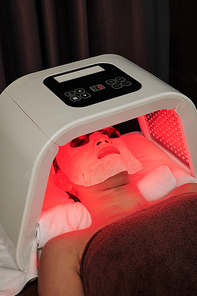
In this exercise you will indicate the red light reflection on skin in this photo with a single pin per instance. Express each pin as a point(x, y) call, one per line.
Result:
point(100, 158)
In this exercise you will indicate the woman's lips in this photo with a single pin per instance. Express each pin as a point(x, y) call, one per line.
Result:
point(106, 151)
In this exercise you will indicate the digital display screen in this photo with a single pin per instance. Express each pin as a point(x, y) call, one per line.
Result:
point(78, 74)
point(97, 87)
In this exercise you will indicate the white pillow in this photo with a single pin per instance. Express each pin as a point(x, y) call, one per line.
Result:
point(61, 219)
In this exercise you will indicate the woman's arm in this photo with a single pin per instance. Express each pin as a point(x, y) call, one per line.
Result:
point(59, 267)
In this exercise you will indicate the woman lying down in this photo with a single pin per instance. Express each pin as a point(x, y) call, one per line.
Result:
point(133, 246)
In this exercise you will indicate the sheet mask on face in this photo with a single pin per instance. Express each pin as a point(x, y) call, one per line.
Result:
point(92, 164)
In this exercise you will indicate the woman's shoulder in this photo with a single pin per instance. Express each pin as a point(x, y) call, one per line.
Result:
point(186, 188)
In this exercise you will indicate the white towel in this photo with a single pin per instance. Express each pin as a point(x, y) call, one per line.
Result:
point(61, 219)
point(157, 183)
point(12, 280)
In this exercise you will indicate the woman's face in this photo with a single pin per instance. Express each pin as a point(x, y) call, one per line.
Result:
point(98, 158)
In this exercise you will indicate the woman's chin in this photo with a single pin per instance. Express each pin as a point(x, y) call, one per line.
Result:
point(117, 180)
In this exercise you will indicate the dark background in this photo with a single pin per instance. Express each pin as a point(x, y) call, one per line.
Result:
point(183, 47)
point(157, 35)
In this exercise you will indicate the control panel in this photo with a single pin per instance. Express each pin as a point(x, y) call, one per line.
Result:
point(91, 85)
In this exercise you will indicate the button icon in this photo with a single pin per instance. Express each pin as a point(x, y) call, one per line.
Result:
point(79, 90)
point(75, 98)
point(85, 96)
point(69, 93)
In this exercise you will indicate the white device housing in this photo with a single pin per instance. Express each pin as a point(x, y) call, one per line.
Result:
point(34, 122)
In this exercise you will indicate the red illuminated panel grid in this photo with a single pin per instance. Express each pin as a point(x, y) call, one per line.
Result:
point(164, 126)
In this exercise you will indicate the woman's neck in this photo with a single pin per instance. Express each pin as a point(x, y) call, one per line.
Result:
point(117, 196)
point(130, 202)
point(116, 203)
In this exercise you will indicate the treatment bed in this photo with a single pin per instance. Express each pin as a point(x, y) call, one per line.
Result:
point(158, 125)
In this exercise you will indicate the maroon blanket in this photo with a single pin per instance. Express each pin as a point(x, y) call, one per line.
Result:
point(151, 252)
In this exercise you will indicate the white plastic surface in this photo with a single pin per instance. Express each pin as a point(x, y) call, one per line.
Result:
point(23, 150)
point(61, 123)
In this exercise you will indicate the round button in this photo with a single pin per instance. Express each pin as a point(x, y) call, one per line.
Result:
point(69, 93)
point(75, 98)
point(110, 81)
point(85, 96)
point(79, 91)
point(126, 83)
point(120, 79)
point(116, 86)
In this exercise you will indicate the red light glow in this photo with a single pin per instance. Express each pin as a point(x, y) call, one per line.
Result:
point(165, 128)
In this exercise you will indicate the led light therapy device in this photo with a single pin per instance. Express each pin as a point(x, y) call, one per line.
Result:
point(44, 110)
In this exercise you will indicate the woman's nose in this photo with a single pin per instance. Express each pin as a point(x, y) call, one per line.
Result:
point(100, 139)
